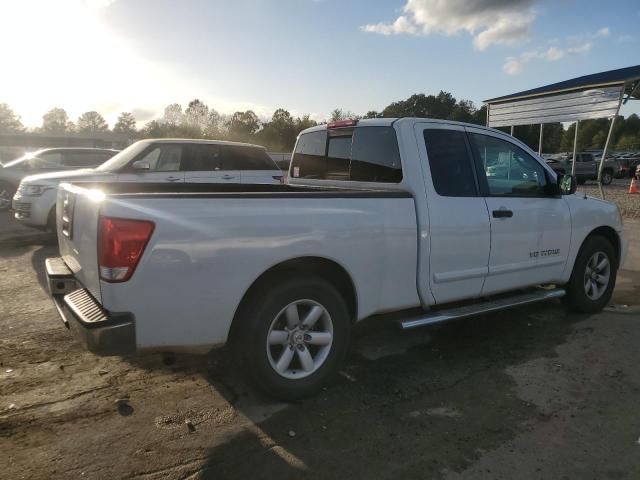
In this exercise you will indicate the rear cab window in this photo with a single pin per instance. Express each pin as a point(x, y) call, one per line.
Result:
point(450, 163)
point(360, 154)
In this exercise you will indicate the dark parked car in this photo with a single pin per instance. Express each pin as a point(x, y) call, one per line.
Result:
point(587, 167)
point(47, 160)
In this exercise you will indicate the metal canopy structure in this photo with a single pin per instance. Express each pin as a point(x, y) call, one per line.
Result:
point(599, 95)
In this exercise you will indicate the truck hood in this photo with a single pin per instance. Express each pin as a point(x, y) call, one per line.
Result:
point(86, 174)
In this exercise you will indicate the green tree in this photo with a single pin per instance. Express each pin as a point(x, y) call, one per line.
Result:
point(214, 125)
point(55, 120)
point(173, 114)
point(339, 114)
point(92, 122)
point(243, 125)
point(279, 133)
point(9, 121)
point(196, 115)
point(126, 124)
point(628, 142)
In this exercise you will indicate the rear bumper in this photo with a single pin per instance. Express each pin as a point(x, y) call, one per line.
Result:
point(100, 331)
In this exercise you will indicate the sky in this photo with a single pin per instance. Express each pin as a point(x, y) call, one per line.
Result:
point(307, 56)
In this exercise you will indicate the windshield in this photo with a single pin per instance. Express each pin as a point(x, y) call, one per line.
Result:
point(123, 158)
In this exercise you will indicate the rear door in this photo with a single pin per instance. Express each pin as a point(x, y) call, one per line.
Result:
point(459, 228)
point(254, 165)
point(530, 229)
point(204, 163)
point(165, 163)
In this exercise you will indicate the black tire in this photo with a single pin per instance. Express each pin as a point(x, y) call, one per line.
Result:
point(577, 299)
point(263, 308)
point(607, 177)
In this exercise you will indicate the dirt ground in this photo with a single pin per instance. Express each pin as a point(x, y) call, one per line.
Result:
point(528, 393)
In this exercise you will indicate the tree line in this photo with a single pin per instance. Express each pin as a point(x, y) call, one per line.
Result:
point(279, 132)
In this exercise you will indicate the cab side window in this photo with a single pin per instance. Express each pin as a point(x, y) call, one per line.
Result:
point(508, 169)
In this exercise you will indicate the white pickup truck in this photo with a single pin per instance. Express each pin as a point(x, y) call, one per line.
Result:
point(379, 216)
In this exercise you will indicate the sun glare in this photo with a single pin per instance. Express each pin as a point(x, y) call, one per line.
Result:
point(62, 54)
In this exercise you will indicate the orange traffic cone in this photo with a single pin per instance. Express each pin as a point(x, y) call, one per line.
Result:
point(633, 188)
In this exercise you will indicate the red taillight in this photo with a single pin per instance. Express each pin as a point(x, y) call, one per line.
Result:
point(121, 242)
point(342, 123)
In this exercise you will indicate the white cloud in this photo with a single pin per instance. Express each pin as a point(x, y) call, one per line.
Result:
point(603, 32)
point(574, 45)
point(490, 22)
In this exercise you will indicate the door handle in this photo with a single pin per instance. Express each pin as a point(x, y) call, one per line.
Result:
point(173, 179)
point(228, 177)
point(502, 213)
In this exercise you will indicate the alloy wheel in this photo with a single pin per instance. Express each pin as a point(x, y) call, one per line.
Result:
point(597, 275)
point(299, 339)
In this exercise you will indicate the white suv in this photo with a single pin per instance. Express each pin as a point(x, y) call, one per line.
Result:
point(151, 161)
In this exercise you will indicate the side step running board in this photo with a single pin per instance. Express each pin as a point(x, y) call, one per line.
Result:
point(480, 308)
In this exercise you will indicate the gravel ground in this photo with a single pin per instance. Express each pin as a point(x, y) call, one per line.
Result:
point(531, 393)
point(616, 192)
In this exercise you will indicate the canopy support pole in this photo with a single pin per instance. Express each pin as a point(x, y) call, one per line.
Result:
point(512, 130)
point(540, 142)
point(575, 148)
point(606, 144)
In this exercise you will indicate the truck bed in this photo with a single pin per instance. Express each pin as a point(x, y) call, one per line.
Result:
point(211, 242)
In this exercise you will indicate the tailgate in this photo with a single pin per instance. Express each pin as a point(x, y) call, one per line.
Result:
point(77, 212)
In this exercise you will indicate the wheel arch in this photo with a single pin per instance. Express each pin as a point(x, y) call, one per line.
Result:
point(610, 234)
point(322, 267)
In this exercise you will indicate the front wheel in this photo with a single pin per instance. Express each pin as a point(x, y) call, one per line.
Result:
point(607, 177)
point(593, 277)
point(294, 336)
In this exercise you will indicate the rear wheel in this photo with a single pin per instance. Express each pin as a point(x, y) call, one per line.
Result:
point(607, 177)
point(594, 276)
point(294, 336)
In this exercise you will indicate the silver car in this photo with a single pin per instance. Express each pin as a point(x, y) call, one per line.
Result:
point(47, 160)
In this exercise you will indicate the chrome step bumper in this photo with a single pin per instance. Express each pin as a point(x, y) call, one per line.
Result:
point(481, 308)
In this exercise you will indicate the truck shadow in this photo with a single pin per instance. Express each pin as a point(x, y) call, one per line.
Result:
point(426, 402)
point(37, 262)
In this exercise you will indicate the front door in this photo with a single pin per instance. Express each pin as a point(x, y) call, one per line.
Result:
point(530, 229)
point(459, 229)
point(164, 161)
